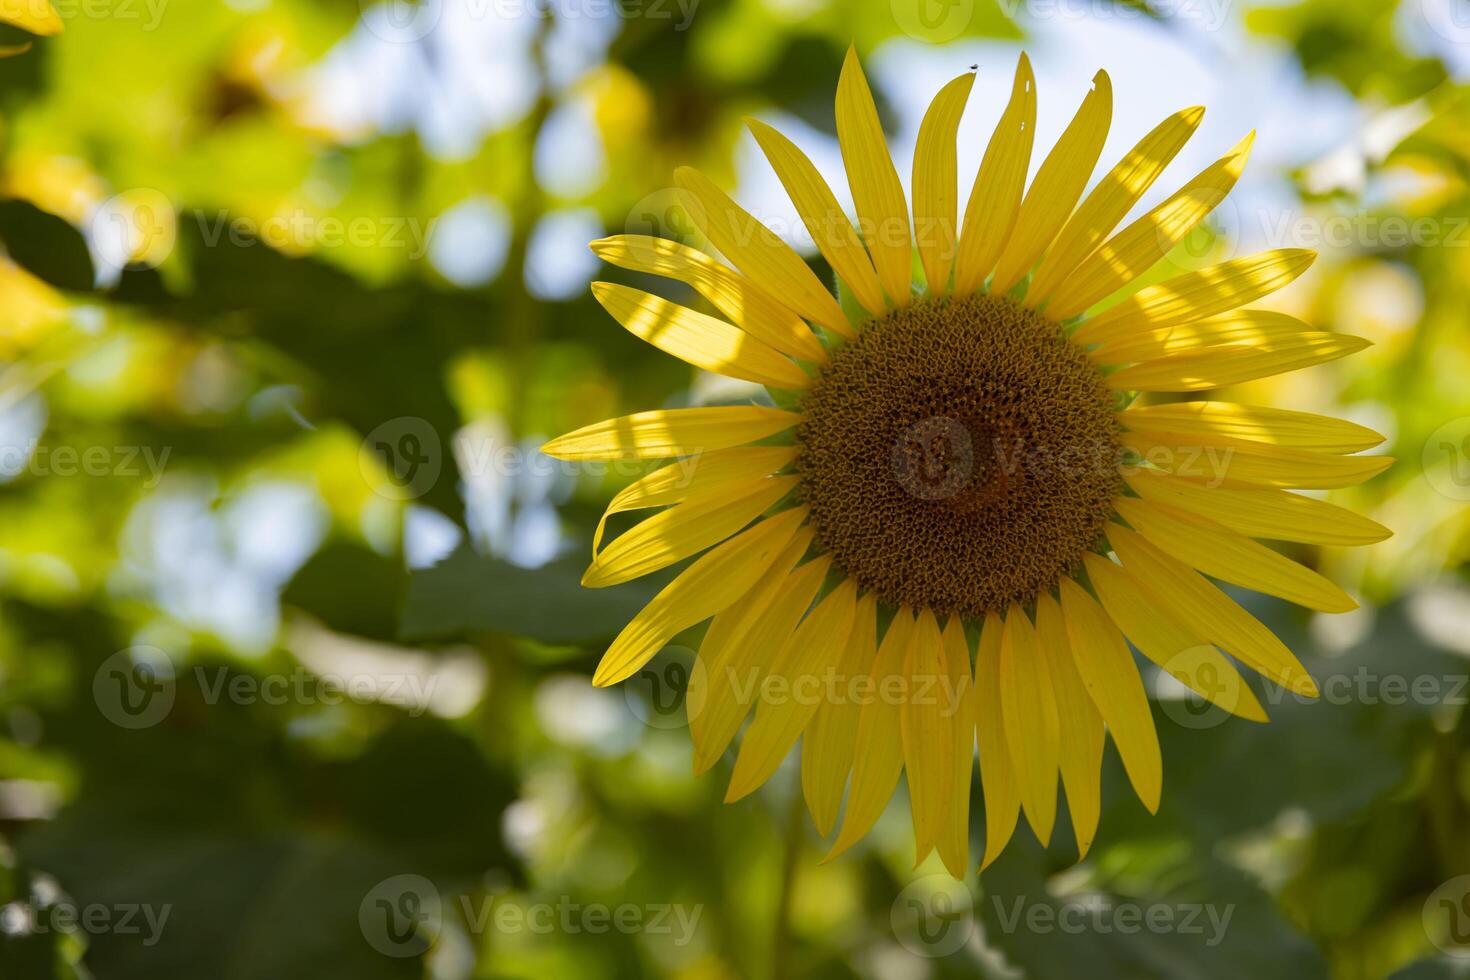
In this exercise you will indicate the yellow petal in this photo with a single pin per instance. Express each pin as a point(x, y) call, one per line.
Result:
point(33, 16)
point(823, 216)
point(794, 689)
point(1260, 513)
point(998, 778)
point(830, 740)
point(696, 479)
point(1216, 367)
point(1218, 551)
point(759, 252)
point(700, 340)
point(883, 213)
point(1212, 611)
point(953, 829)
point(667, 432)
point(1253, 328)
point(683, 530)
point(1222, 461)
point(876, 768)
point(727, 683)
point(928, 749)
point(1177, 647)
point(1033, 734)
point(1301, 430)
point(1059, 183)
point(1111, 678)
point(1195, 295)
point(1110, 200)
point(748, 306)
point(716, 580)
point(1081, 726)
point(1140, 246)
point(936, 196)
point(996, 197)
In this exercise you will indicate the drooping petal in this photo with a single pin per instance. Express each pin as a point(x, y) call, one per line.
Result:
point(828, 745)
point(1111, 678)
point(996, 197)
point(715, 581)
point(748, 306)
point(883, 212)
point(728, 682)
point(667, 432)
point(682, 530)
point(1196, 295)
point(1188, 593)
point(1033, 732)
point(828, 225)
point(696, 479)
point(876, 768)
point(1081, 726)
point(928, 749)
point(813, 648)
point(1218, 551)
point(759, 252)
point(1223, 461)
point(1217, 367)
point(1179, 648)
point(1110, 200)
point(1140, 246)
point(936, 196)
point(998, 778)
point(1261, 513)
point(698, 339)
point(1059, 183)
point(1280, 427)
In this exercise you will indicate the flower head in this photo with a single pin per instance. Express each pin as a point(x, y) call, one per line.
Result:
point(941, 540)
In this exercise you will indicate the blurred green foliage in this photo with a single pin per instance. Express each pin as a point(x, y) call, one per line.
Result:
point(244, 542)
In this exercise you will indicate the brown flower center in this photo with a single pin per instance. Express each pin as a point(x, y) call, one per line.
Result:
point(959, 454)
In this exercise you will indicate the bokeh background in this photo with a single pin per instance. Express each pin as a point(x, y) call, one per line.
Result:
point(294, 666)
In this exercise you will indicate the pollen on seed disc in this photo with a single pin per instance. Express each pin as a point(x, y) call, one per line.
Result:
point(959, 454)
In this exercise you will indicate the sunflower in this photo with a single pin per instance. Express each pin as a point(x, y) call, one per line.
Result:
point(944, 532)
